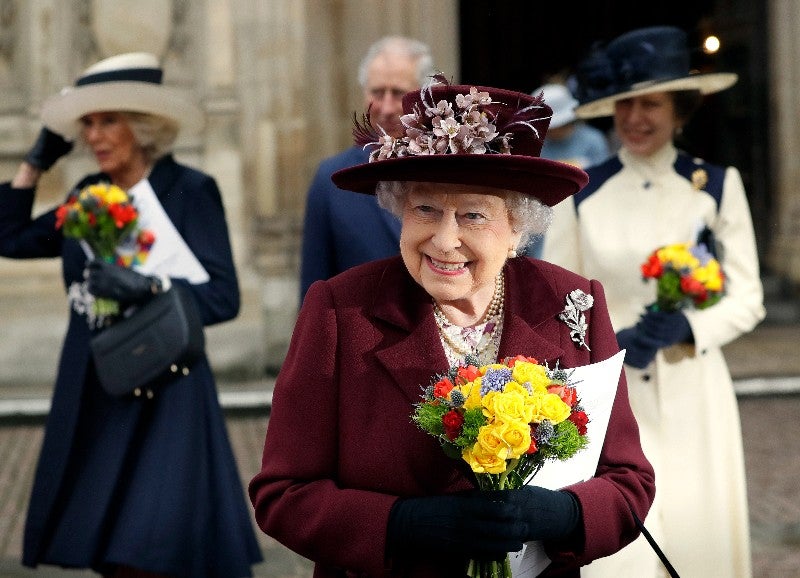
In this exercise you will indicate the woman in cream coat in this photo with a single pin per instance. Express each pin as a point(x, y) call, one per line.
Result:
point(647, 196)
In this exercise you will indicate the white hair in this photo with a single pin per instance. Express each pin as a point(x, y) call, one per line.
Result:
point(418, 51)
point(528, 215)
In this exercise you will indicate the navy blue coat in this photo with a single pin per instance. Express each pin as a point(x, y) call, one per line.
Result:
point(147, 483)
point(343, 229)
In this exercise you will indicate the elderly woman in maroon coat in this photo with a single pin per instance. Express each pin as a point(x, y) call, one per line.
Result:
point(347, 479)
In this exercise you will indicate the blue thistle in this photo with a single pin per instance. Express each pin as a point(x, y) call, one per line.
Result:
point(457, 399)
point(472, 359)
point(495, 380)
point(544, 432)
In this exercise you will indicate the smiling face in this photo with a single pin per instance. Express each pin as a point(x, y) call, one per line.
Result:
point(454, 241)
point(389, 76)
point(111, 140)
point(645, 123)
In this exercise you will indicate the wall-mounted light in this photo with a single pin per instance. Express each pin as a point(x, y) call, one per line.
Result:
point(711, 44)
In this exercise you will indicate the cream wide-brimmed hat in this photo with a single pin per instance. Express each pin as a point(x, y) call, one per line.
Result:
point(130, 82)
point(639, 62)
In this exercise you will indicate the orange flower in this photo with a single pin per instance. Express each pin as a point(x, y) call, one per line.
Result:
point(442, 387)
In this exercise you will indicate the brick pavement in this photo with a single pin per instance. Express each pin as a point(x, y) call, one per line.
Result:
point(772, 454)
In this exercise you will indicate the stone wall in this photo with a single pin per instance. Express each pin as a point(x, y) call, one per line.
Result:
point(277, 80)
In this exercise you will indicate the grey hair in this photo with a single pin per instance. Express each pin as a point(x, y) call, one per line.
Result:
point(413, 49)
point(529, 216)
point(155, 134)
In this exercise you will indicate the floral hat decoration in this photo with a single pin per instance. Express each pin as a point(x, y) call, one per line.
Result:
point(470, 135)
point(639, 62)
point(129, 82)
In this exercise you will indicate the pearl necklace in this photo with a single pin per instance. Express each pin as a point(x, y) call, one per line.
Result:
point(493, 313)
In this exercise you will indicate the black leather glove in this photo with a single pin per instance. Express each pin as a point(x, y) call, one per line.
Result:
point(665, 328)
point(120, 283)
point(639, 353)
point(48, 148)
point(546, 514)
point(469, 525)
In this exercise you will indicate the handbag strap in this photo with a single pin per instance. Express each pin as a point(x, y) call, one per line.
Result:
point(653, 544)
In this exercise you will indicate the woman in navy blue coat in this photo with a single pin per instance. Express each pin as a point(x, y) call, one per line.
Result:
point(132, 486)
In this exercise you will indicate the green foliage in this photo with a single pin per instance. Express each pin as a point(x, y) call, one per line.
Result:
point(566, 441)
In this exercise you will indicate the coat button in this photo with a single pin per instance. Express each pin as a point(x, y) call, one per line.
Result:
point(645, 377)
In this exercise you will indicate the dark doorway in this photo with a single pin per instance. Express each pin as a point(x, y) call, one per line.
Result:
point(521, 44)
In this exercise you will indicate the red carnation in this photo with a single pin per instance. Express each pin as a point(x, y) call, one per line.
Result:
point(692, 286)
point(512, 361)
point(533, 447)
point(122, 214)
point(146, 237)
point(467, 374)
point(452, 422)
point(652, 267)
point(580, 419)
point(567, 394)
point(442, 387)
point(61, 215)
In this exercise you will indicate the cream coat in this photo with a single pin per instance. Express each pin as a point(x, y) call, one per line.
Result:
point(684, 401)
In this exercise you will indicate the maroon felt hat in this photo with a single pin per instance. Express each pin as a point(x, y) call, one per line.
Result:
point(465, 135)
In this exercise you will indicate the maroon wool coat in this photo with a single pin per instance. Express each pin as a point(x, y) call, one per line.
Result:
point(341, 447)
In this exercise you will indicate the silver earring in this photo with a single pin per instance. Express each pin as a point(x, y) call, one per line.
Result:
point(512, 253)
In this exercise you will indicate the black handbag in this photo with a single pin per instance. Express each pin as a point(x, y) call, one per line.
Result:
point(161, 338)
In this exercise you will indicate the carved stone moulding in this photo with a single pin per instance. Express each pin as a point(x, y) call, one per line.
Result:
point(131, 26)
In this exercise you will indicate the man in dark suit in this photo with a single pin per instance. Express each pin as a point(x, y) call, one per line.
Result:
point(341, 228)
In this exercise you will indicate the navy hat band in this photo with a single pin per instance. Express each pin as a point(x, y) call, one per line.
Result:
point(150, 75)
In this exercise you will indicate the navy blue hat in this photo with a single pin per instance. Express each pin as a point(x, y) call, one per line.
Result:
point(642, 61)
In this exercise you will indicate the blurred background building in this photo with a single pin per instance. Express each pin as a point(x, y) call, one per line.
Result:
point(277, 79)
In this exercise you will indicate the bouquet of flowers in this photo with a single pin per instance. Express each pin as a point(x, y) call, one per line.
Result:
point(506, 420)
point(687, 276)
point(104, 216)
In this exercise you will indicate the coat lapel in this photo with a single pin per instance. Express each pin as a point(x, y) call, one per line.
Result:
point(414, 353)
point(531, 325)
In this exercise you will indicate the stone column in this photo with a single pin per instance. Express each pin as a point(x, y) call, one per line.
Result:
point(784, 22)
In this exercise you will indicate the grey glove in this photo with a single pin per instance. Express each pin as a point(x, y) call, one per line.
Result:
point(48, 148)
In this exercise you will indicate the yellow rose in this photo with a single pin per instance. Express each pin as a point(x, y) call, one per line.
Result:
point(533, 373)
point(516, 435)
point(115, 195)
point(554, 408)
point(472, 393)
point(679, 255)
point(491, 442)
point(483, 462)
point(510, 404)
point(709, 276)
point(487, 402)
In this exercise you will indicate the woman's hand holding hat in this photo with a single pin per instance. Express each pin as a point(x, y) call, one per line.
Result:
point(48, 148)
